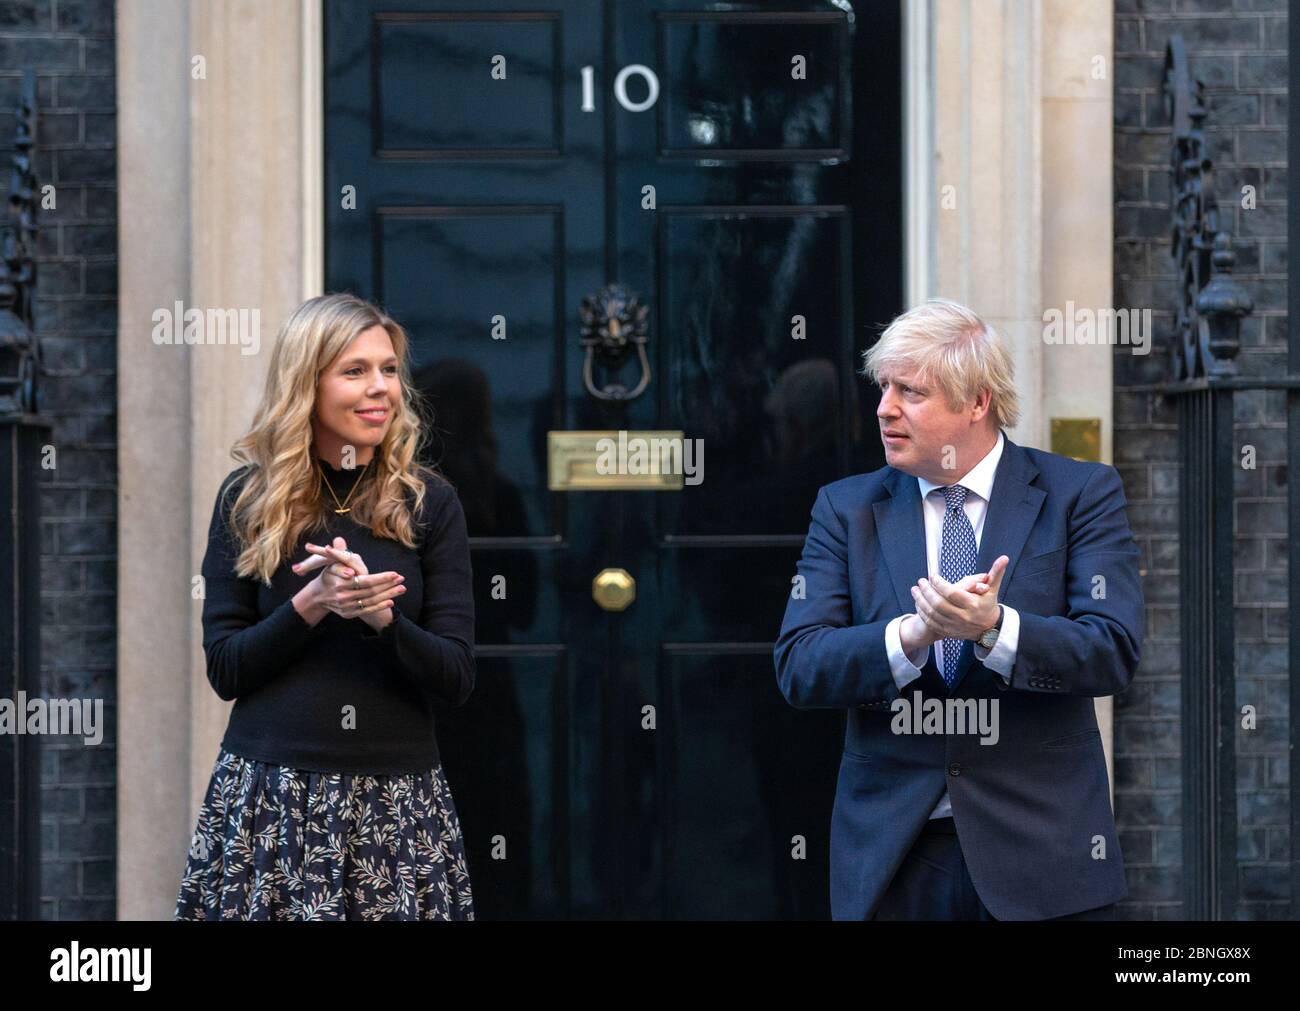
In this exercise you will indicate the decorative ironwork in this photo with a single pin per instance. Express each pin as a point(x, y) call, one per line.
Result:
point(1203, 383)
point(24, 437)
point(20, 358)
point(613, 327)
point(1213, 303)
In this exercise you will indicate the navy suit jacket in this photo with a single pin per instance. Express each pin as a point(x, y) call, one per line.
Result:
point(1032, 811)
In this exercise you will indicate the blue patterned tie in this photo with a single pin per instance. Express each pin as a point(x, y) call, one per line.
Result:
point(957, 557)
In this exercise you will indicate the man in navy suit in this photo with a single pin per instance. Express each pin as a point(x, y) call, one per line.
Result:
point(965, 604)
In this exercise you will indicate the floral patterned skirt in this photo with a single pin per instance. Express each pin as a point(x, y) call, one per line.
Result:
point(274, 843)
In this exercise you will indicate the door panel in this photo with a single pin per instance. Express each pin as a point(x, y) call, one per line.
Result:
point(729, 92)
point(636, 763)
point(434, 53)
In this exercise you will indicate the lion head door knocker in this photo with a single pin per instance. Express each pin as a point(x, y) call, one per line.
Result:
point(613, 323)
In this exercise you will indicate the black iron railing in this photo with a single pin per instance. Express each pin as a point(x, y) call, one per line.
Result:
point(1204, 380)
point(22, 434)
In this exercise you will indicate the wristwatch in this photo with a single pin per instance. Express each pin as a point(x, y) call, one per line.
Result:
point(990, 635)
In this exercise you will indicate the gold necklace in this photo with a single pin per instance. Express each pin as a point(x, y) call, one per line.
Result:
point(343, 506)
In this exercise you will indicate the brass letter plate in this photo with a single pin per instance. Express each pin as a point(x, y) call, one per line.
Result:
point(614, 460)
point(1077, 437)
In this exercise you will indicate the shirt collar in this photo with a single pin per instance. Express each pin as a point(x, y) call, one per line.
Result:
point(979, 479)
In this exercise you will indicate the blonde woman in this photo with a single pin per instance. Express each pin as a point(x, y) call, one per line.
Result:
point(337, 613)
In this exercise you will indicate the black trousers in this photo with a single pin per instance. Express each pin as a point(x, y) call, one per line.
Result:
point(932, 883)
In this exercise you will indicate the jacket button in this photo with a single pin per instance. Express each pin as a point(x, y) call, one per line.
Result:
point(998, 683)
point(954, 769)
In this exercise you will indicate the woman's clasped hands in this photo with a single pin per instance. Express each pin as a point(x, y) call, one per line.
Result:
point(346, 587)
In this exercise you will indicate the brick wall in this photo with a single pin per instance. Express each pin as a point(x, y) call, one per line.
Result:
point(70, 45)
point(1239, 50)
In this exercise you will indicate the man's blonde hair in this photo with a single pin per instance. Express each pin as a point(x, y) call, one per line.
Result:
point(950, 347)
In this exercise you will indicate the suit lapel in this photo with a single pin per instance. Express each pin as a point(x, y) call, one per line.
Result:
point(1013, 509)
point(900, 526)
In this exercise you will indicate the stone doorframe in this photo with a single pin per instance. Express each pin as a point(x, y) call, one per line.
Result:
point(220, 174)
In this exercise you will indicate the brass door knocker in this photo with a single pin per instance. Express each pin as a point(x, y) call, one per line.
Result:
point(613, 324)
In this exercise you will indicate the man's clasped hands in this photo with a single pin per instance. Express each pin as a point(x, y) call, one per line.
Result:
point(944, 610)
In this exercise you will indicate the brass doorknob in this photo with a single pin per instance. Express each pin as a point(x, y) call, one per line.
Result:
point(613, 589)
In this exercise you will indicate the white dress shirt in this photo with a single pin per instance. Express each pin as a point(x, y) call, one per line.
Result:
point(978, 483)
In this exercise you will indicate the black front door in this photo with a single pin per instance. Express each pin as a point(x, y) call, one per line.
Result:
point(737, 171)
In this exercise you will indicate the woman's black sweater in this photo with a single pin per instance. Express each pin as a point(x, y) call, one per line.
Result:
point(337, 696)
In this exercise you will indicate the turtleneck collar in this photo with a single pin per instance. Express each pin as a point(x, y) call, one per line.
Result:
point(331, 469)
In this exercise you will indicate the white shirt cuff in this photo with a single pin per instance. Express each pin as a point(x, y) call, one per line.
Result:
point(904, 668)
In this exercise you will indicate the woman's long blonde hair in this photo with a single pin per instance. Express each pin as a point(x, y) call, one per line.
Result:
point(281, 495)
